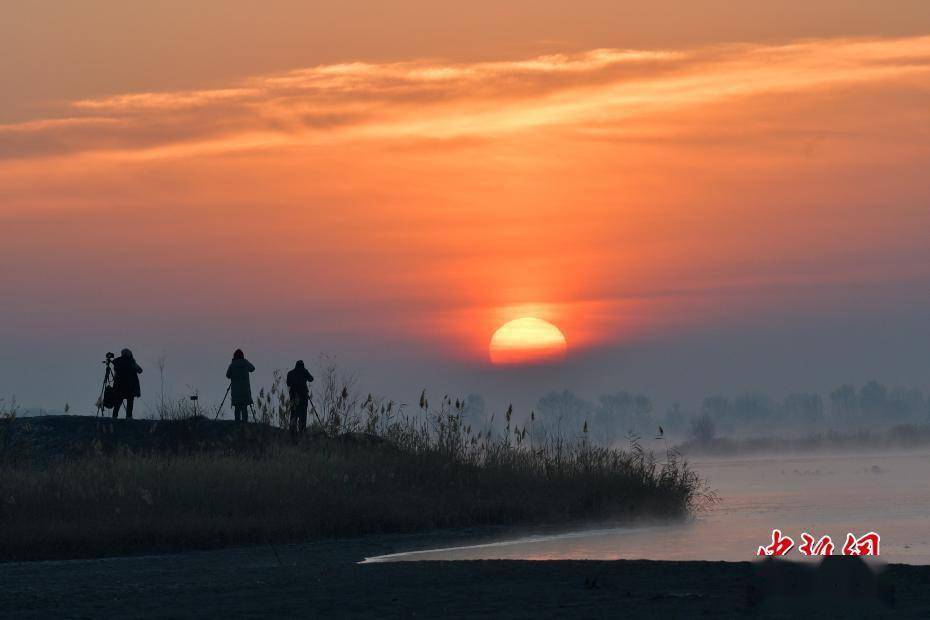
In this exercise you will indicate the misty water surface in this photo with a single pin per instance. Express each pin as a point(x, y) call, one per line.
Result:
point(828, 494)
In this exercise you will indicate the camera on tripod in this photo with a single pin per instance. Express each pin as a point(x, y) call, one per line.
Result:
point(107, 399)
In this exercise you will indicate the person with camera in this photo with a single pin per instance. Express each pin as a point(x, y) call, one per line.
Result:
point(297, 384)
point(240, 390)
point(125, 382)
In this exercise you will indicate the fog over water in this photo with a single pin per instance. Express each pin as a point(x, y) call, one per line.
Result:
point(819, 494)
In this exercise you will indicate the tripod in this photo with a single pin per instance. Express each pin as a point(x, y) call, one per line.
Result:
point(316, 414)
point(222, 402)
point(107, 376)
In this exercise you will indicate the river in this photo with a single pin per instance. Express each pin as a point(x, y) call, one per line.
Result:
point(831, 494)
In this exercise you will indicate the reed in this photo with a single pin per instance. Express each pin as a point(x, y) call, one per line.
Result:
point(368, 466)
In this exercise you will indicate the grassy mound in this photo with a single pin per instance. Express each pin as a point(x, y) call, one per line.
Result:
point(82, 487)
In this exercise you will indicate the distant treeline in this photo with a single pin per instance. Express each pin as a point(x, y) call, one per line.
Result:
point(902, 436)
point(612, 418)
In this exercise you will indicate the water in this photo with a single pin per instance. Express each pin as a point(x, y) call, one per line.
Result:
point(824, 494)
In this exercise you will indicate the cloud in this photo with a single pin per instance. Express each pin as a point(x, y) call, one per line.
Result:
point(428, 101)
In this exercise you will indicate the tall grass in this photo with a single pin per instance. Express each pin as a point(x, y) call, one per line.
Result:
point(367, 466)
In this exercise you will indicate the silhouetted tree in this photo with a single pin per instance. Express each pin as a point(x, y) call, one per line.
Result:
point(622, 413)
point(675, 420)
point(873, 401)
point(719, 409)
point(805, 411)
point(844, 405)
point(703, 428)
point(561, 413)
point(906, 405)
point(753, 410)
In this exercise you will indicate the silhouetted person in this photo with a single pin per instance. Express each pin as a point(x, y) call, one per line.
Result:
point(125, 382)
point(240, 390)
point(297, 383)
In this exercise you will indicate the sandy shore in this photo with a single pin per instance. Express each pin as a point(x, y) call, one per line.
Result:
point(324, 579)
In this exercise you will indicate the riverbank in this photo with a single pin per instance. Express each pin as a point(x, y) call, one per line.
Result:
point(84, 487)
point(325, 580)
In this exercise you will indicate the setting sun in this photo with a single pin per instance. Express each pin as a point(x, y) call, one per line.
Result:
point(527, 340)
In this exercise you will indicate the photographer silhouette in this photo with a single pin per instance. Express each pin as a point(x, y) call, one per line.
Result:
point(125, 382)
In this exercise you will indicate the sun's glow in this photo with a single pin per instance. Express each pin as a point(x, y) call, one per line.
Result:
point(429, 202)
point(527, 340)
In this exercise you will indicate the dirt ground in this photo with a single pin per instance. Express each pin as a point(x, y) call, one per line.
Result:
point(324, 579)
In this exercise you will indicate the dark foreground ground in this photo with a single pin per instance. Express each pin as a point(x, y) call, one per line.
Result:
point(324, 580)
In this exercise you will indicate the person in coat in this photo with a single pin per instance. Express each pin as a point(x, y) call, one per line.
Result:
point(125, 382)
point(240, 390)
point(297, 385)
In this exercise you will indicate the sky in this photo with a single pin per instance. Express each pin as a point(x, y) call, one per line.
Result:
point(702, 197)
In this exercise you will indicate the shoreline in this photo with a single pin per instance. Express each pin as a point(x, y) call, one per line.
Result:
point(327, 578)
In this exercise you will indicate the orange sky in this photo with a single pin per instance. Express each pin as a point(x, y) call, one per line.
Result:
point(624, 194)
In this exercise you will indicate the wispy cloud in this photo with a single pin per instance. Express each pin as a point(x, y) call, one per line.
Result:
point(615, 191)
point(423, 100)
